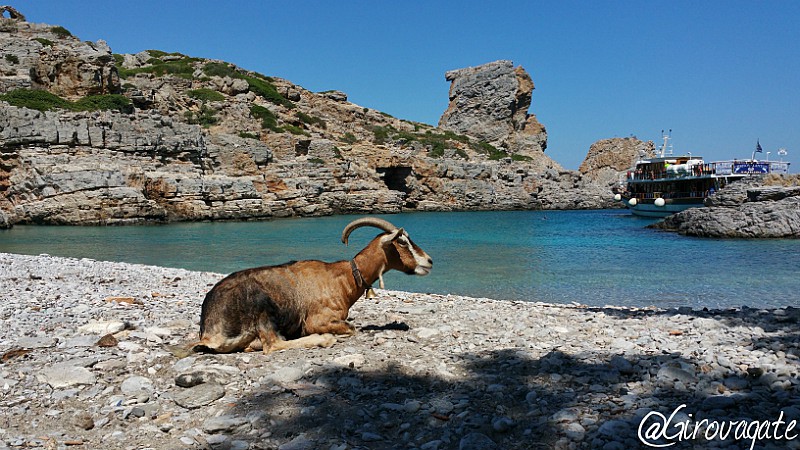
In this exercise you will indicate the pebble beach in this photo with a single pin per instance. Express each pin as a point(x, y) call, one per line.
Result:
point(89, 361)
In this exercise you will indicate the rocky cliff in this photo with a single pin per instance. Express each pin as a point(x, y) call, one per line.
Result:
point(608, 159)
point(767, 207)
point(91, 137)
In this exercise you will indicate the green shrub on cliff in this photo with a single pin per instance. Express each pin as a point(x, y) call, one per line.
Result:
point(268, 119)
point(205, 117)
point(248, 135)
point(220, 69)
point(46, 101)
point(35, 99)
point(494, 153)
point(382, 134)
point(311, 120)
point(179, 65)
point(110, 102)
point(159, 53)
point(206, 95)
point(267, 91)
point(61, 32)
point(489, 150)
point(436, 143)
point(184, 67)
point(44, 42)
point(260, 85)
point(295, 130)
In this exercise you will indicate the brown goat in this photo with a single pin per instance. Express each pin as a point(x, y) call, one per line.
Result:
point(302, 303)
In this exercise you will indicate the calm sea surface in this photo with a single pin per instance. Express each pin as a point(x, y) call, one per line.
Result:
point(591, 257)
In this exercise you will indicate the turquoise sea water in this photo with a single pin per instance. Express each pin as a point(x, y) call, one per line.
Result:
point(590, 257)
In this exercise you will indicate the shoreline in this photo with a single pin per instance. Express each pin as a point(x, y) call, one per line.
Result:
point(424, 370)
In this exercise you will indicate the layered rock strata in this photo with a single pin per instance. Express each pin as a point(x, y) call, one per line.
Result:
point(111, 168)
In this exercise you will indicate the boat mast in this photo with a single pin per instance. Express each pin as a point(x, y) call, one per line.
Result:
point(666, 143)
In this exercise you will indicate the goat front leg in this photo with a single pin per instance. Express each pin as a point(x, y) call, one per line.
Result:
point(330, 319)
point(338, 327)
point(310, 341)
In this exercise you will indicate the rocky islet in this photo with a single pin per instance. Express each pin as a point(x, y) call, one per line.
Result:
point(763, 207)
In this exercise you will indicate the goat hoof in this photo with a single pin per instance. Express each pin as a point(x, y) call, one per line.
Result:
point(327, 340)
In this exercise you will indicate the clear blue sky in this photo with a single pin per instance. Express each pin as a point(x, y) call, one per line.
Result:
point(721, 74)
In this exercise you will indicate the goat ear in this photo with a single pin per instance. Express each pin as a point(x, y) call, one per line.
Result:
point(389, 238)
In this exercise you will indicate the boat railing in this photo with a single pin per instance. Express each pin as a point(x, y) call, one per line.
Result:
point(671, 195)
point(697, 171)
point(717, 168)
point(750, 167)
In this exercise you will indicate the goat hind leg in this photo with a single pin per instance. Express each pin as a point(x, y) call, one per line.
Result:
point(267, 338)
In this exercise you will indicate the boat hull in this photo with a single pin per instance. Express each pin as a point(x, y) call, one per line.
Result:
point(651, 210)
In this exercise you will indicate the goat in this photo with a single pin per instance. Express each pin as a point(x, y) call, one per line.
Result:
point(302, 303)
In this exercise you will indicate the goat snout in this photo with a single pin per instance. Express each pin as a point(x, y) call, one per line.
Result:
point(425, 267)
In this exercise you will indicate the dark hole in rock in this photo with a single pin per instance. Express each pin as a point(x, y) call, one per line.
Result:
point(301, 148)
point(395, 177)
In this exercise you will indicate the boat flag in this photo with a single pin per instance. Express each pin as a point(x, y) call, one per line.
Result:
point(758, 147)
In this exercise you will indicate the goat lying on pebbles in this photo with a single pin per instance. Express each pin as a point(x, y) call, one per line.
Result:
point(302, 303)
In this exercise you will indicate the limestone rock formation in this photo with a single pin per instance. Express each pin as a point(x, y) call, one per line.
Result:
point(766, 207)
point(45, 57)
point(5, 220)
point(490, 102)
point(12, 13)
point(608, 159)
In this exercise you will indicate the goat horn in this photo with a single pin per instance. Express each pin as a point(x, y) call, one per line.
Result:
point(366, 222)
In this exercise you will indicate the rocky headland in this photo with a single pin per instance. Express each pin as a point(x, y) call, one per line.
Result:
point(762, 207)
point(87, 362)
point(92, 137)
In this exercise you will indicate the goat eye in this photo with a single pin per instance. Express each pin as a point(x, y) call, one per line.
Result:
point(402, 243)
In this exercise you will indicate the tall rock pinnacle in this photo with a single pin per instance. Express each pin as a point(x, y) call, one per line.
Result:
point(490, 102)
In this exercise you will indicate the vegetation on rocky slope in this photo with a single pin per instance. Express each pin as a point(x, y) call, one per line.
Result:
point(46, 101)
point(436, 143)
point(178, 65)
point(439, 142)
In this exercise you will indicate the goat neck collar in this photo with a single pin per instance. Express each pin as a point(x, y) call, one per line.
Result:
point(360, 283)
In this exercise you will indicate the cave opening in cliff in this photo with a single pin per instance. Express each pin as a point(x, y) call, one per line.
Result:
point(395, 177)
point(301, 147)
